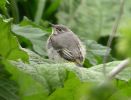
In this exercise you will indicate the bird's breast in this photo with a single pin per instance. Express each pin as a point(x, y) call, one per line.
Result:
point(67, 41)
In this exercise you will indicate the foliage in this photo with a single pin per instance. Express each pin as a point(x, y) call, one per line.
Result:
point(10, 48)
point(90, 19)
point(26, 73)
point(37, 40)
point(2, 6)
point(124, 41)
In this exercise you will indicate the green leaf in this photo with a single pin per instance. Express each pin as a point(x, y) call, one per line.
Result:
point(29, 88)
point(8, 88)
point(9, 47)
point(73, 89)
point(95, 52)
point(3, 6)
point(42, 77)
point(35, 35)
point(46, 68)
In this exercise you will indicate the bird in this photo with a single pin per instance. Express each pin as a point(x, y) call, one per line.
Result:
point(63, 44)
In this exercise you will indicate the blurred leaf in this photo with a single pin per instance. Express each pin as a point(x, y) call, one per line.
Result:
point(125, 89)
point(8, 88)
point(124, 41)
point(52, 8)
point(73, 89)
point(102, 91)
point(107, 91)
point(3, 6)
point(27, 8)
point(9, 47)
point(89, 19)
point(39, 11)
point(29, 88)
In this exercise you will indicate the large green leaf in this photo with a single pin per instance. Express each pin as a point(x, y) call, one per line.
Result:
point(9, 47)
point(57, 70)
point(46, 77)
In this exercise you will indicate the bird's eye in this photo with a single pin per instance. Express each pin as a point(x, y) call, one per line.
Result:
point(59, 29)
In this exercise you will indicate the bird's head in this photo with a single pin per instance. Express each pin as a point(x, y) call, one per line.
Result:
point(59, 29)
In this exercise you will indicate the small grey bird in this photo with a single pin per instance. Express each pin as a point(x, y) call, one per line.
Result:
point(64, 44)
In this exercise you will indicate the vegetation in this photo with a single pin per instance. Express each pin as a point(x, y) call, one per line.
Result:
point(26, 73)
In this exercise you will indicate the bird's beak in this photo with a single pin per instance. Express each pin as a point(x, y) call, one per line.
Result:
point(52, 25)
point(53, 28)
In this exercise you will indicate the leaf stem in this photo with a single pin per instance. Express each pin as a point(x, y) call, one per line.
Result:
point(114, 30)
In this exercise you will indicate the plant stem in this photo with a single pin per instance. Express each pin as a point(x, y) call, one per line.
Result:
point(114, 30)
point(39, 12)
point(15, 12)
point(118, 68)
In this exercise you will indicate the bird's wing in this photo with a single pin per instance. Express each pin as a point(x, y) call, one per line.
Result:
point(66, 54)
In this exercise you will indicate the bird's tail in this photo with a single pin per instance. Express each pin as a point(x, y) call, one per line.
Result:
point(78, 63)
